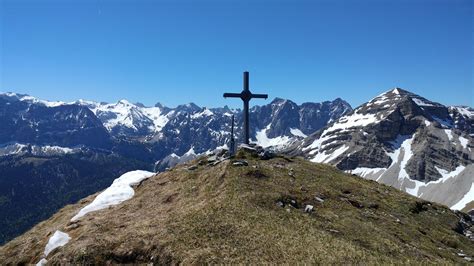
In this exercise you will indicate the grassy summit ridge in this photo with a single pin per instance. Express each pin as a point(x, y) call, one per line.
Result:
point(253, 214)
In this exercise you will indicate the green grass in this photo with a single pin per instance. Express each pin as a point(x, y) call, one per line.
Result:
point(229, 214)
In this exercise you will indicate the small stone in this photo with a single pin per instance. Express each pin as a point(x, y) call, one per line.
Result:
point(333, 231)
point(318, 199)
point(308, 208)
point(280, 203)
point(240, 163)
point(291, 172)
point(288, 210)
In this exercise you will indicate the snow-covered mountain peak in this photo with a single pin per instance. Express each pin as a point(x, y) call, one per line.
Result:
point(10, 96)
point(401, 139)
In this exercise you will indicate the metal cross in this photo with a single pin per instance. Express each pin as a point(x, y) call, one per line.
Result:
point(246, 96)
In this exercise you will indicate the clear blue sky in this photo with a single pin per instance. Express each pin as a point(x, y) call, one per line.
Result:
point(192, 51)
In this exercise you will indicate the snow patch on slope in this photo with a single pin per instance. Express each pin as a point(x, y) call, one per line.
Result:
point(365, 171)
point(205, 112)
point(463, 142)
point(58, 239)
point(354, 120)
point(297, 132)
point(120, 190)
point(445, 176)
point(323, 157)
point(449, 133)
point(467, 198)
point(264, 141)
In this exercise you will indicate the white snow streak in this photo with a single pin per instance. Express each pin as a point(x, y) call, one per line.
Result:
point(58, 239)
point(119, 191)
point(449, 133)
point(264, 141)
point(445, 176)
point(205, 112)
point(463, 142)
point(364, 171)
point(467, 198)
point(324, 157)
point(297, 132)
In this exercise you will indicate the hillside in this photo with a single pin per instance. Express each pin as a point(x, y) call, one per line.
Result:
point(210, 212)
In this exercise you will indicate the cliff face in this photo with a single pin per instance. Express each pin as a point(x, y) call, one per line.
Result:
point(249, 209)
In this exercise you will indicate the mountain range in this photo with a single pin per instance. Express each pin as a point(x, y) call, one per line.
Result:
point(65, 151)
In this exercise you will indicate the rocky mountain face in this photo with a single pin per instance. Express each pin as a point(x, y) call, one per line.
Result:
point(406, 141)
point(26, 120)
point(250, 209)
point(88, 140)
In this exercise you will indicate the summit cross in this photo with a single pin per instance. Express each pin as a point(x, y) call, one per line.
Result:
point(246, 96)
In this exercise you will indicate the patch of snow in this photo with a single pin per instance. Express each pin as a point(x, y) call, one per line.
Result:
point(420, 102)
point(323, 157)
point(445, 175)
point(463, 142)
point(449, 133)
point(407, 154)
point(120, 190)
point(465, 111)
point(297, 132)
point(154, 113)
point(264, 141)
point(466, 199)
point(354, 120)
point(190, 152)
point(205, 112)
point(427, 123)
point(365, 171)
point(58, 239)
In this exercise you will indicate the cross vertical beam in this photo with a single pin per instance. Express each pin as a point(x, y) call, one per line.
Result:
point(246, 96)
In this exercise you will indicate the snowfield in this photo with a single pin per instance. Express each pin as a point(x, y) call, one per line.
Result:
point(119, 191)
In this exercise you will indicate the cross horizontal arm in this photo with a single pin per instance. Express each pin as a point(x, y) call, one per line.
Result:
point(232, 95)
point(261, 96)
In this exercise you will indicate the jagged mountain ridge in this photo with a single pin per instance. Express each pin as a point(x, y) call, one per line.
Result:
point(165, 130)
point(404, 140)
point(85, 136)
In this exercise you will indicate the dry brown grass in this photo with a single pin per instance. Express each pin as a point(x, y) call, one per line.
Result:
point(227, 214)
